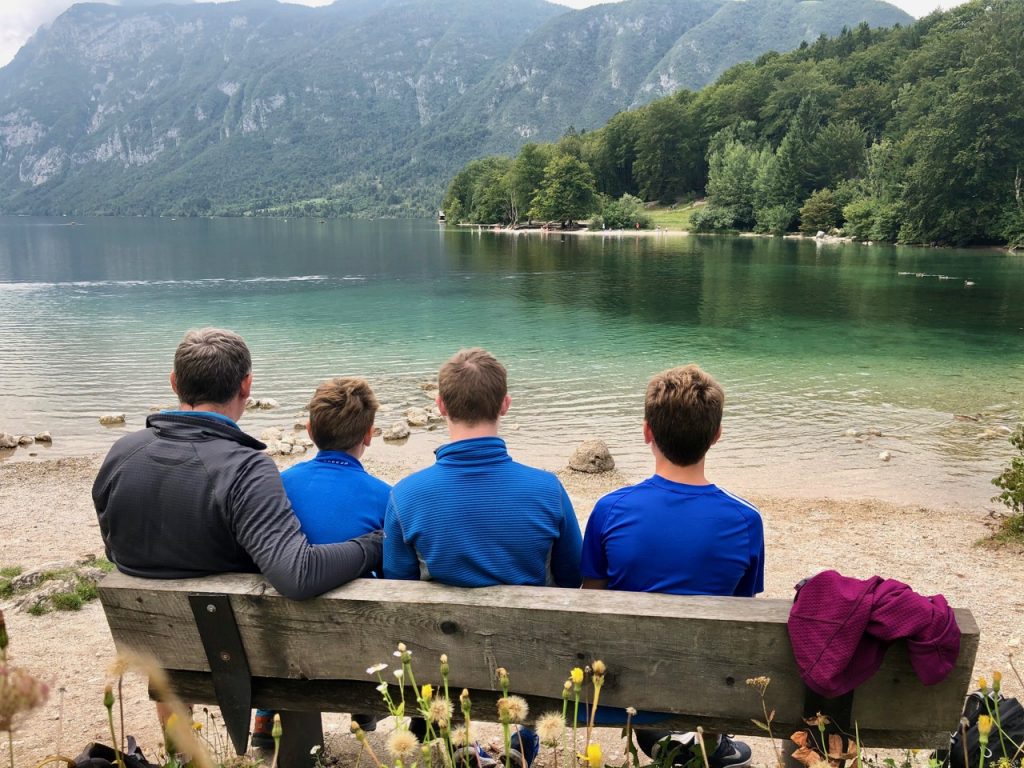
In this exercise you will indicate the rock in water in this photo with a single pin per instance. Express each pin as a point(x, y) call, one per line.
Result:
point(25, 439)
point(8, 441)
point(270, 434)
point(417, 417)
point(593, 457)
point(44, 437)
point(395, 432)
point(885, 456)
point(110, 419)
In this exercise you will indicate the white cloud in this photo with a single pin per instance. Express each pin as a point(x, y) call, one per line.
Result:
point(19, 19)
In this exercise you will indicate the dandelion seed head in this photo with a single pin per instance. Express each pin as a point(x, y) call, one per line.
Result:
point(518, 709)
point(599, 667)
point(550, 727)
point(444, 658)
point(402, 744)
point(440, 711)
point(458, 737)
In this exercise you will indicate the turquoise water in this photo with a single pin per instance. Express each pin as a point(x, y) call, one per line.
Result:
point(808, 340)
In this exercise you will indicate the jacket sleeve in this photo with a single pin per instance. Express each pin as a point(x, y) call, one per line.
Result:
point(400, 560)
point(565, 554)
point(266, 527)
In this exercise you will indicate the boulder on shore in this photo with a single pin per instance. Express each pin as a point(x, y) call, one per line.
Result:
point(111, 419)
point(417, 417)
point(396, 432)
point(8, 441)
point(270, 434)
point(592, 457)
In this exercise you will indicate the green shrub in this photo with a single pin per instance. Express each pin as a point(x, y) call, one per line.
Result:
point(625, 213)
point(1011, 481)
point(66, 601)
point(819, 213)
point(775, 219)
point(860, 219)
point(713, 218)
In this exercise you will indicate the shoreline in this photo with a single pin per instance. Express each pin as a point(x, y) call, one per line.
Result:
point(46, 512)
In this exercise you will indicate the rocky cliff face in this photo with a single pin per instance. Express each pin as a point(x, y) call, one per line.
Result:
point(369, 104)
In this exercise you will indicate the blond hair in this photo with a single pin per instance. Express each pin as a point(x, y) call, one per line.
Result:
point(472, 385)
point(341, 413)
point(683, 409)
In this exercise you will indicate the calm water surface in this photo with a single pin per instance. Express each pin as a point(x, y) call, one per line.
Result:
point(809, 341)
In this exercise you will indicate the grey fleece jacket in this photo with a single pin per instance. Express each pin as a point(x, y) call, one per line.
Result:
point(193, 496)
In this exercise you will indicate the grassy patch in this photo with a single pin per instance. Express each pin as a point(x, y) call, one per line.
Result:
point(6, 590)
point(66, 601)
point(38, 609)
point(10, 571)
point(79, 591)
point(1010, 532)
point(104, 565)
point(671, 218)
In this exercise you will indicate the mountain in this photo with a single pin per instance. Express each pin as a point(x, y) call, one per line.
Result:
point(363, 107)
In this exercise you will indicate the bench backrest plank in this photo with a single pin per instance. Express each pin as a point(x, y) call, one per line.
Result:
point(685, 655)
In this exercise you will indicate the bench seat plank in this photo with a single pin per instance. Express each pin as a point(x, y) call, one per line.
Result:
point(689, 656)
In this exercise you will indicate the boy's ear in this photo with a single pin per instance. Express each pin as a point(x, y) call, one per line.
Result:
point(309, 430)
point(245, 389)
point(174, 382)
point(368, 437)
point(718, 436)
point(440, 406)
point(505, 404)
point(648, 435)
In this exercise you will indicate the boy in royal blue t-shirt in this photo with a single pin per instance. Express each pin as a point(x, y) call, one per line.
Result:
point(333, 497)
point(675, 532)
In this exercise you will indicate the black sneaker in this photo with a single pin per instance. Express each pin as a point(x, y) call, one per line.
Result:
point(679, 747)
point(729, 754)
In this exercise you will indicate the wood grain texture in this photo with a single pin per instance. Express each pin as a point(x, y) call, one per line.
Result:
point(688, 656)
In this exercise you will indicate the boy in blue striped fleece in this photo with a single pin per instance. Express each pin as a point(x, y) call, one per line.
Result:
point(476, 518)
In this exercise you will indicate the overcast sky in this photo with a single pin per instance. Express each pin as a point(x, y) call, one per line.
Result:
point(20, 18)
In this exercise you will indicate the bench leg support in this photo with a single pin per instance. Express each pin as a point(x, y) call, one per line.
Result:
point(300, 732)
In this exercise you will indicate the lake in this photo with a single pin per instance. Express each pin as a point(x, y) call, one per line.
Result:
point(809, 340)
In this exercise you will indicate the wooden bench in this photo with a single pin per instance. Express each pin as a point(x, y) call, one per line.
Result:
point(233, 641)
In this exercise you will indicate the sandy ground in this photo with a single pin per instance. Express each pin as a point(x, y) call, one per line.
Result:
point(46, 515)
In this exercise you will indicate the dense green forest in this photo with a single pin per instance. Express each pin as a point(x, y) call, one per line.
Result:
point(912, 134)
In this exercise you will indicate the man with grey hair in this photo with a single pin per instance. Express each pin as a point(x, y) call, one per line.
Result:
point(193, 495)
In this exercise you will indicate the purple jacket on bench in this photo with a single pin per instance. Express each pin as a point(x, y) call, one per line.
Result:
point(840, 629)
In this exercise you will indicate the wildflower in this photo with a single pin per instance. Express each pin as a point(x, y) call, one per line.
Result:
point(576, 676)
point(427, 692)
point(108, 696)
point(357, 731)
point(444, 668)
point(440, 711)
point(549, 728)
point(276, 729)
point(399, 673)
point(376, 668)
point(518, 709)
point(599, 668)
point(631, 711)
point(983, 684)
point(197, 726)
point(382, 688)
point(984, 727)
point(565, 690)
point(444, 658)
point(403, 745)
point(402, 648)
point(465, 702)
point(593, 757)
point(458, 737)
point(997, 681)
point(761, 683)
point(19, 692)
point(315, 749)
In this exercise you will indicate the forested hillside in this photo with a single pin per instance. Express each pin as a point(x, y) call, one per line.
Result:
point(362, 107)
point(913, 134)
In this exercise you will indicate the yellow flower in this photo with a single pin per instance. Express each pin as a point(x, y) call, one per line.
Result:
point(983, 684)
point(984, 727)
point(997, 681)
point(593, 757)
point(576, 676)
point(197, 726)
point(427, 692)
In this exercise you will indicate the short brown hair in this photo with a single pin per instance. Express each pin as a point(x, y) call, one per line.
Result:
point(209, 366)
point(472, 385)
point(341, 413)
point(683, 409)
